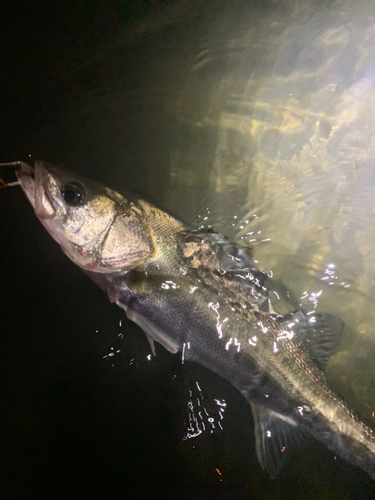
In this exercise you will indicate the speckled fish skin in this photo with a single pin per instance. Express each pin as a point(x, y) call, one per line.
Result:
point(207, 304)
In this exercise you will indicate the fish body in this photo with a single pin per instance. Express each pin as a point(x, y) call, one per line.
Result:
point(200, 295)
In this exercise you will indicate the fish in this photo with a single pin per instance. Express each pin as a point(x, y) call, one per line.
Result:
point(200, 295)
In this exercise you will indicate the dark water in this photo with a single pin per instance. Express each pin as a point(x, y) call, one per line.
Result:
point(256, 115)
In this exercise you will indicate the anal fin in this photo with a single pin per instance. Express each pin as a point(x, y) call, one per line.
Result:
point(276, 437)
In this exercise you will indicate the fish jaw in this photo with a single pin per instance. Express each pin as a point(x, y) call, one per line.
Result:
point(32, 181)
point(25, 176)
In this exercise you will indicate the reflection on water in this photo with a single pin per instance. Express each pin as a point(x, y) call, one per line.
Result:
point(199, 419)
point(292, 170)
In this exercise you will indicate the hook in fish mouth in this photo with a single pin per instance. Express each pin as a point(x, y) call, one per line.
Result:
point(26, 178)
point(14, 166)
point(31, 180)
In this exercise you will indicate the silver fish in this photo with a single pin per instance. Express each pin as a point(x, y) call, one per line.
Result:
point(198, 294)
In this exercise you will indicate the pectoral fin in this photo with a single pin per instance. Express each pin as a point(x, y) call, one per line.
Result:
point(152, 332)
point(276, 436)
point(152, 343)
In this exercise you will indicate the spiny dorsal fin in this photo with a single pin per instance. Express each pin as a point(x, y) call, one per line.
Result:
point(225, 265)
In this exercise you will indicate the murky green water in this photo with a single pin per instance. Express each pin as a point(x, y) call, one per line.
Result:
point(292, 169)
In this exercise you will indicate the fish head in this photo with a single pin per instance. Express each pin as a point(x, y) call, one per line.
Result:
point(99, 229)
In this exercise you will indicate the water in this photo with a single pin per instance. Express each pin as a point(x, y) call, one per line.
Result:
point(254, 117)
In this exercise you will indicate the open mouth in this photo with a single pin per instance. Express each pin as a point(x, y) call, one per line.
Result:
point(25, 176)
point(32, 181)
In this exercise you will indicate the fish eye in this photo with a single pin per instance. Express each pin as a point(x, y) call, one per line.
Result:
point(73, 193)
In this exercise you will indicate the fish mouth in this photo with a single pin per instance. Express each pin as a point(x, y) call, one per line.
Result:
point(32, 181)
point(25, 176)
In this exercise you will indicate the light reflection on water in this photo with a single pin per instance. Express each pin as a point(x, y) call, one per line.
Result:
point(323, 273)
point(199, 418)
